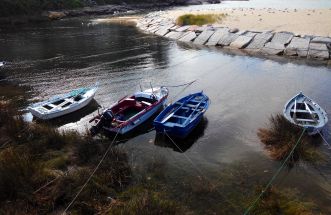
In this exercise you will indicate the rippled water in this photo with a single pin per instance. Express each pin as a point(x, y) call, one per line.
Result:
point(244, 91)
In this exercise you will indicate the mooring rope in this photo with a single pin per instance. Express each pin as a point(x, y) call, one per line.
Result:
point(325, 141)
point(275, 175)
point(180, 85)
point(94, 171)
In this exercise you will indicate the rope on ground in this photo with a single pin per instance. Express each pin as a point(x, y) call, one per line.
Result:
point(199, 170)
point(94, 171)
point(275, 175)
point(325, 141)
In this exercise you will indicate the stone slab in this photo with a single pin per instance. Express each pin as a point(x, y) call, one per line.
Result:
point(203, 37)
point(227, 38)
point(318, 51)
point(213, 40)
point(183, 28)
point(273, 48)
point(174, 35)
point(282, 38)
point(250, 34)
point(321, 40)
point(241, 42)
point(259, 41)
point(162, 31)
point(188, 37)
point(298, 46)
point(153, 28)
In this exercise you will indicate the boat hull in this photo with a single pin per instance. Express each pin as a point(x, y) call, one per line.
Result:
point(179, 119)
point(60, 113)
point(89, 95)
point(179, 132)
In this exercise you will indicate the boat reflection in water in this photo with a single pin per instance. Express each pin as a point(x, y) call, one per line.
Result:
point(182, 145)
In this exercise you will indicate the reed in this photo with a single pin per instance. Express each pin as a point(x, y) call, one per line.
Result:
point(200, 19)
point(281, 136)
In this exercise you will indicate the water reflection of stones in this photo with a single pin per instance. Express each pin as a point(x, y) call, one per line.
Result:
point(182, 145)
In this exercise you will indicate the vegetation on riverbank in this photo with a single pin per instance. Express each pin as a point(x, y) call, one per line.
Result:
point(199, 19)
point(42, 169)
point(281, 136)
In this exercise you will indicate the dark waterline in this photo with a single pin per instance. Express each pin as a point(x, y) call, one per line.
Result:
point(244, 91)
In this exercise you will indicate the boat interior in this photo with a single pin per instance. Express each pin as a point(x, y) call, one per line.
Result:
point(302, 115)
point(62, 103)
point(182, 112)
point(131, 106)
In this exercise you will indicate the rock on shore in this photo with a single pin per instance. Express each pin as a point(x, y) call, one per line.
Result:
point(263, 42)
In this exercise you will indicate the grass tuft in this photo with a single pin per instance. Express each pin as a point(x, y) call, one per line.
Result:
point(281, 136)
point(200, 19)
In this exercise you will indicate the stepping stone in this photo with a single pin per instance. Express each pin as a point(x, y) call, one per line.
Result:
point(203, 37)
point(277, 44)
point(217, 36)
point(321, 40)
point(318, 51)
point(183, 28)
point(273, 48)
point(227, 38)
point(241, 42)
point(174, 35)
point(162, 31)
point(282, 38)
point(188, 37)
point(153, 28)
point(298, 46)
point(250, 34)
point(259, 41)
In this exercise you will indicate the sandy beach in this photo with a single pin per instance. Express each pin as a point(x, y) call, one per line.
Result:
point(301, 22)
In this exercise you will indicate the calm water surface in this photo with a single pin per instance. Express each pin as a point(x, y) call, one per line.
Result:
point(244, 91)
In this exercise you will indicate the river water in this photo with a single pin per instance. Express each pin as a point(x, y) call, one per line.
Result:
point(53, 58)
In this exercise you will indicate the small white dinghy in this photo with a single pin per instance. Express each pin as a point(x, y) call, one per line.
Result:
point(63, 104)
point(304, 112)
point(2, 63)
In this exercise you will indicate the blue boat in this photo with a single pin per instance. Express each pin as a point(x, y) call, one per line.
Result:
point(181, 117)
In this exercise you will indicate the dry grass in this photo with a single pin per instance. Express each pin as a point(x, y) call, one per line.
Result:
point(33, 155)
point(200, 19)
point(281, 136)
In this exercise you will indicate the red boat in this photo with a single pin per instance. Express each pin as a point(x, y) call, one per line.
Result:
point(130, 111)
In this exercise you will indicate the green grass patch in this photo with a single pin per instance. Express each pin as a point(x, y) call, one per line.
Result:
point(200, 19)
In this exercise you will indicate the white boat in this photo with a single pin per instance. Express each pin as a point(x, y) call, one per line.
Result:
point(304, 112)
point(130, 111)
point(2, 63)
point(63, 104)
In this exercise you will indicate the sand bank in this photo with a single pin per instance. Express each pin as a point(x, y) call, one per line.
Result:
point(303, 22)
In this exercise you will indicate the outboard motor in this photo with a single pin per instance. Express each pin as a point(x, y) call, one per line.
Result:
point(107, 116)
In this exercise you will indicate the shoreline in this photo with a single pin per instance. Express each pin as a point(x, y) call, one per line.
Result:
point(251, 36)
